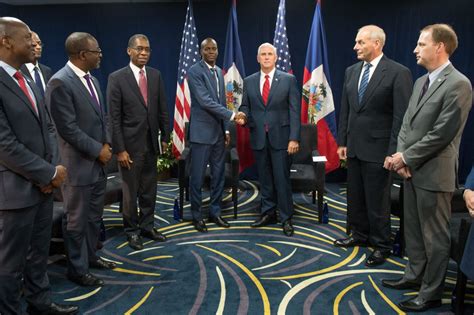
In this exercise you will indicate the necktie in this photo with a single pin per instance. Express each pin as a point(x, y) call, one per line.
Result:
point(91, 90)
point(142, 84)
point(266, 89)
point(214, 76)
point(38, 81)
point(364, 82)
point(424, 88)
point(21, 81)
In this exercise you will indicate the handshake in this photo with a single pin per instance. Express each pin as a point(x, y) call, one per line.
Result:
point(240, 118)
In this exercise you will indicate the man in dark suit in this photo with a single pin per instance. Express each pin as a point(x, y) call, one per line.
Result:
point(27, 178)
point(467, 263)
point(77, 107)
point(271, 103)
point(207, 133)
point(374, 99)
point(35, 70)
point(427, 157)
point(137, 104)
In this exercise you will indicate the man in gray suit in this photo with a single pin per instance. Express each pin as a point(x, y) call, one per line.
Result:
point(271, 102)
point(77, 107)
point(138, 109)
point(427, 157)
point(27, 178)
point(374, 99)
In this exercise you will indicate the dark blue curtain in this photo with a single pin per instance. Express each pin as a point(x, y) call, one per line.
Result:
point(113, 24)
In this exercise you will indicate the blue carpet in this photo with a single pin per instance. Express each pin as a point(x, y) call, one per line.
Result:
point(241, 270)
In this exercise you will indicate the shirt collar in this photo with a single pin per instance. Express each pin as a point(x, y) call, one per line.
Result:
point(270, 74)
point(209, 66)
point(374, 62)
point(76, 70)
point(30, 66)
point(136, 69)
point(9, 69)
point(435, 73)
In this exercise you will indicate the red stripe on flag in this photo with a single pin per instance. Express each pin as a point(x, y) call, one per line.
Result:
point(327, 146)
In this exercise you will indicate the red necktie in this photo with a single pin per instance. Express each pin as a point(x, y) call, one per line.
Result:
point(142, 84)
point(266, 89)
point(21, 81)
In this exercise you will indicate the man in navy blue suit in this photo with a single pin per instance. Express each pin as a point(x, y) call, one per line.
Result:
point(207, 134)
point(467, 263)
point(271, 103)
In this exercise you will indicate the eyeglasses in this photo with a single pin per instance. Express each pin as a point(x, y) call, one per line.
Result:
point(140, 49)
point(98, 51)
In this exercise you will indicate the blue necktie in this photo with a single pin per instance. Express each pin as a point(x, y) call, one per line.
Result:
point(38, 81)
point(364, 82)
point(424, 88)
point(215, 79)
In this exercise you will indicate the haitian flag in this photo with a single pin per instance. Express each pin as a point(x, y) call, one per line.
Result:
point(317, 103)
point(233, 69)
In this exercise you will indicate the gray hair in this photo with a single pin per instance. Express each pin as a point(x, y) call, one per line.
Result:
point(376, 33)
point(267, 45)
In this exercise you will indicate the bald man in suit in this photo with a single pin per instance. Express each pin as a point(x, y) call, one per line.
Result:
point(27, 178)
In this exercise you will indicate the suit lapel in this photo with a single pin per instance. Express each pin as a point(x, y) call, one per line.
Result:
point(210, 80)
point(374, 82)
point(132, 82)
point(273, 87)
point(85, 91)
point(354, 82)
point(15, 88)
point(256, 84)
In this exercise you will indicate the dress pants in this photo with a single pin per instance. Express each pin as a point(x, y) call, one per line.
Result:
point(201, 155)
point(274, 177)
point(25, 235)
point(139, 182)
point(427, 237)
point(83, 209)
point(368, 203)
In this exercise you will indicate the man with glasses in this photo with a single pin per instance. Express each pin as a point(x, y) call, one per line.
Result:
point(138, 110)
point(35, 70)
point(78, 110)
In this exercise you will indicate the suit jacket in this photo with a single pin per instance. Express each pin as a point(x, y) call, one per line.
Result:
point(25, 152)
point(431, 130)
point(370, 129)
point(45, 70)
point(467, 263)
point(209, 114)
point(131, 118)
point(81, 127)
point(281, 114)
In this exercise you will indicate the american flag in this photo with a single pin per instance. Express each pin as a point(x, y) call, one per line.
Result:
point(189, 55)
point(280, 41)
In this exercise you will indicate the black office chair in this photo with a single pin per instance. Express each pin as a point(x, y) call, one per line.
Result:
point(307, 175)
point(231, 170)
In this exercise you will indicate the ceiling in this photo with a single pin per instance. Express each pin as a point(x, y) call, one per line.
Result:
point(46, 2)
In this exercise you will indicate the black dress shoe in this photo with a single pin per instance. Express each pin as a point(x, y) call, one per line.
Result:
point(399, 284)
point(220, 221)
point(54, 309)
point(288, 229)
point(200, 226)
point(102, 264)
point(87, 280)
point(376, 258)
point(135, 241)
point(348, 242)
point(265, 219)
point(418, 304)
point(154, 234)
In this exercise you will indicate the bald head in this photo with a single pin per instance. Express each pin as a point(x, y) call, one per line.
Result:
point(15, 42)
point(209, 51)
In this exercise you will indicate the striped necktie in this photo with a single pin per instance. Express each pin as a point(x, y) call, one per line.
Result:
point(364, 82)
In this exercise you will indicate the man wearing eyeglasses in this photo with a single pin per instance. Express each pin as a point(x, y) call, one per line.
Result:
point(78, 110)
point(138, 110)
point(35, 70)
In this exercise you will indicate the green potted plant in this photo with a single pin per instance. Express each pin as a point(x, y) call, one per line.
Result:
point(166, 160)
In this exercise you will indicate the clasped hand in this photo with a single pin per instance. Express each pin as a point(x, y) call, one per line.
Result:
point(240, 118)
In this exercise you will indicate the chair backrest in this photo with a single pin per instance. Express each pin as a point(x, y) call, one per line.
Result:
point(308, 143)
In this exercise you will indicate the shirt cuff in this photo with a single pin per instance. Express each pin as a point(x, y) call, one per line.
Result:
point(403, 159)
point(55, 173)
point(232, 117)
